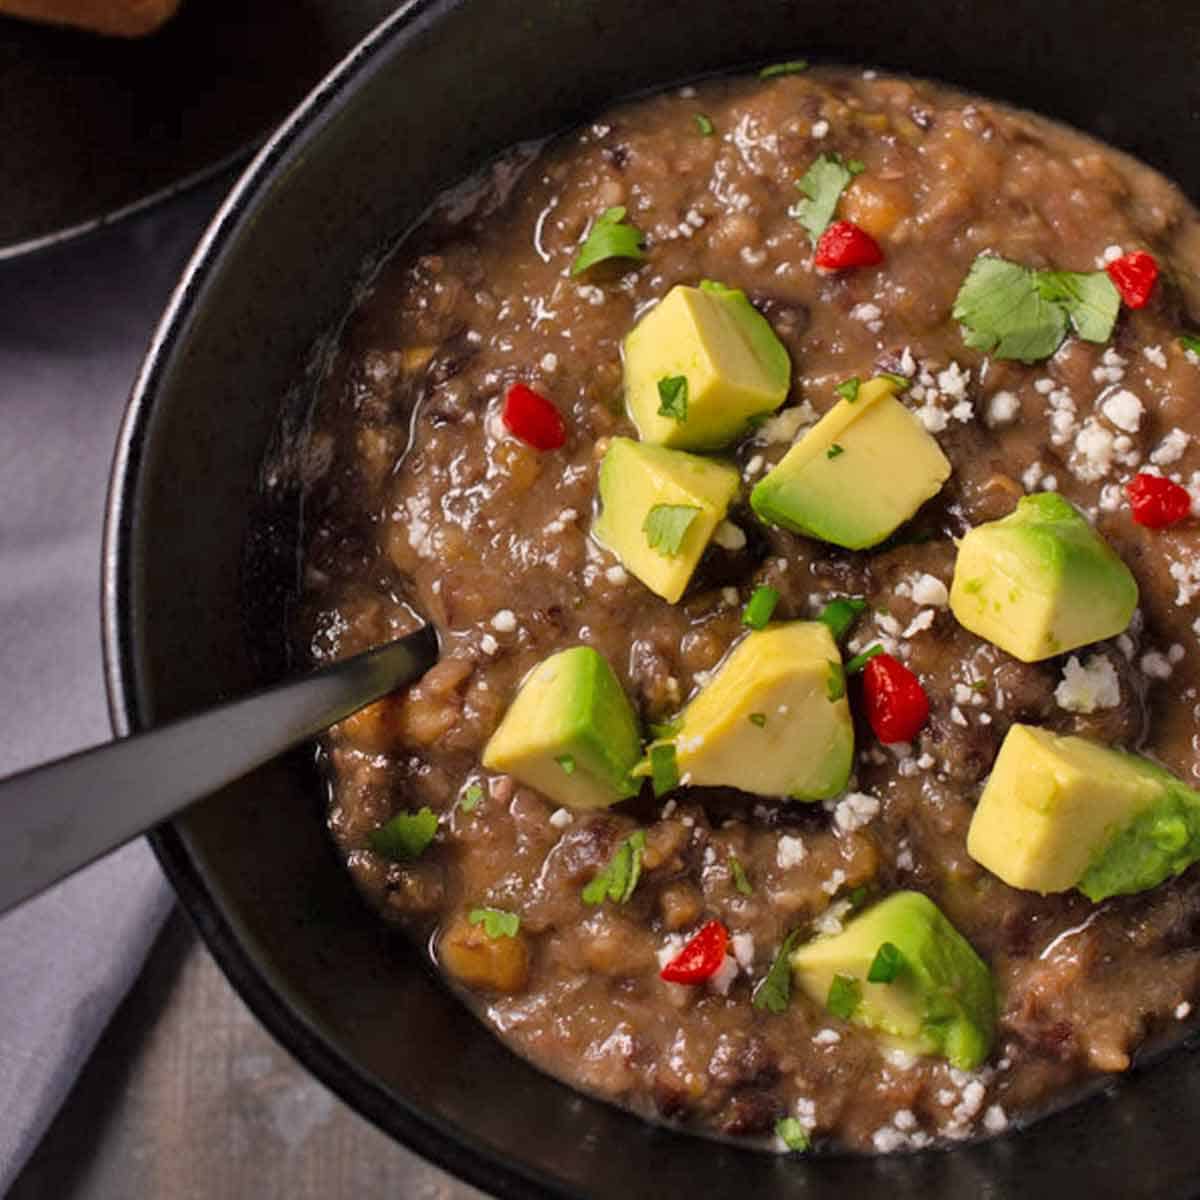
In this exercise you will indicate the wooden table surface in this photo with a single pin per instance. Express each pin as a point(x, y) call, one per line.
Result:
point(188, 1096)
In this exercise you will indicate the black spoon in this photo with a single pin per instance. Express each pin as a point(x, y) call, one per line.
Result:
point(57, 818)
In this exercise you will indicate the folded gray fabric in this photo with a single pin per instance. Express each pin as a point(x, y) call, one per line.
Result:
point(74, 322)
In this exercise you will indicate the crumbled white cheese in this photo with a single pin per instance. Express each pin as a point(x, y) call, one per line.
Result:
point(789, 851)
point(833, 884)
point(1170, 449)
point(504, 621)
point(1031, 476)
point(488, 644)
point(1092, 454)
point(724, 977)
point(888, 1139)
point(1111, 254)
point(827, 1037)
point(1183, 1010)
point(616, 575)
point(905, 1120)
point(549, 363)
point(995, 1120)
point(1124, 410)
point(953, 382)
point(868, 314)
point(1156, 665)
point(922, 621)
point(929, 589)
point(1186, 573)
point(755, 465)
point(933, 418)
point(1155, 356)
point(786, 425)
point(728, 536)
point(743, 949)
point(830, 921)
point(1002, 409)
point(1087, 687)
point(820, 129)
point(855, 810)
point(560, 818)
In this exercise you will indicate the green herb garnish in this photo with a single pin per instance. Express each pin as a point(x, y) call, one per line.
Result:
point(841, 613)
point(617, 881)
point(1190, 341)
point(705, 126)
point(792, 1134)
point(793, 66)
point(859, 661)
point(775, 990)
point(760, 607)
point(664, 770)
point(567, 762)
point(666, 526)
point(1012, 311)
point(495, 921)
point(611, 236)
point(822, 185)
point(835, 684)
point(857, 896)
point(848, 389)
point(759, 719)
point(405, 836)
point(665, 729)
point(845, 992)
point(740, 879)
point(673, 397)
point(886, 965)
point(900, 382)
point(471, 798)
point(835, 451)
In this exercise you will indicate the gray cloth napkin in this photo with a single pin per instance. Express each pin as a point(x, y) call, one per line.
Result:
point(74, 323)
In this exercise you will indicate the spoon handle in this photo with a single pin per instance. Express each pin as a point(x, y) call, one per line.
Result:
point(57, 818)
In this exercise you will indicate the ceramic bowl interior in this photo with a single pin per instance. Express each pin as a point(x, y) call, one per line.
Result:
point(443, 86)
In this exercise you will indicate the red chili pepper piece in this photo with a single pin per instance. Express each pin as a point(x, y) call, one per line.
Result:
point(844, 245)
point(897, 706)
point(1135, 275)
point(1157, 502)
point(701, 958)
point(533, 418)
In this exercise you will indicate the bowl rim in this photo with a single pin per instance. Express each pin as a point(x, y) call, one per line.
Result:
point(451, 1148)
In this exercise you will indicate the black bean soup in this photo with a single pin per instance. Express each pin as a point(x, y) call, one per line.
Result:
point(1022, 293)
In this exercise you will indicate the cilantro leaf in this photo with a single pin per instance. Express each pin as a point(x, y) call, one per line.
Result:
point(471, 798)
point(848, 389)
point(792, 1134)
point(1005, 314)
point(822, 185)
point(1091, 300)
point(611, 236)
point(859, 661)
point(835, 684)
point(665, 729)
point(886, 965)
point(617, 881)
point(775, 990)
point(496, 922)
point(705, 125)
point(567, 762)
point(666, 526)
point(835, 451)
point(759, 719)
point(673, 397)
point(845, 992)
point(741, 881)
point(840, 614)
point(760, 607)
point(405, 836)
point(664, 770)
point(1190, 342)
point(793, 66)
point(900, 382)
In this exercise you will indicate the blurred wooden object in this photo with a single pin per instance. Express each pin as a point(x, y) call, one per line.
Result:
point(118, 18)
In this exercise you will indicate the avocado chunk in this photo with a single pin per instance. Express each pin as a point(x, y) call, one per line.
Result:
point(773, 720)
point(714, 338)
point(659, 508)
point(1041, 581)
point(861, 471)
point(1065, 812)
point(570, 733)
point(938, 998)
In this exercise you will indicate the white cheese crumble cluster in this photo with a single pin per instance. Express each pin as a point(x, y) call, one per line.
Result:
point(1089, 686)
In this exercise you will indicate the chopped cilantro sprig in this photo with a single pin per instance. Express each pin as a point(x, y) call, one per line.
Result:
point(495, 921)
point(845, 992)
point(840, 615)
point(405, 836)
point(775, 990)
point(611, 236)
point(886, 965)
point(673, 397)
point(822, 185)
point(664, 770)
point(666, 526)
point(793, 66)
point(618, 880)
point(792, 1134)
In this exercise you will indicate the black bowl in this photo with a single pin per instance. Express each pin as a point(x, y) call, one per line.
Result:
point(431, 95)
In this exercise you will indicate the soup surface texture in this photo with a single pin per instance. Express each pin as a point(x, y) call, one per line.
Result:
point(421, 500)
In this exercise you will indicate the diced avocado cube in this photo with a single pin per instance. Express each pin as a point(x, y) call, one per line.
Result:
point(1041, 581)
point(735, 367)
point(570, 733)
point(773, 720)
point(939, 999)
point(1064, 812)
point(861, 471)
point(645, 489)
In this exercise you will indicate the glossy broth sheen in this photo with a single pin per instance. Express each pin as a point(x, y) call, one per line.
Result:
point(419, 501)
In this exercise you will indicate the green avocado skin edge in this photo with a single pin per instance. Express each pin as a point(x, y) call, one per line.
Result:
point(1160, 842)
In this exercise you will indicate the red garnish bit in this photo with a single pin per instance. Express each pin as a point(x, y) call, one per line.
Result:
point(897, 706)
point(1157, 502)
point(701, 958)
point(533, 418)
point(845, 245)
point(1135, 275)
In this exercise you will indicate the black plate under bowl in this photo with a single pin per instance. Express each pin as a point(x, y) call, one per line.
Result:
point(94, 127)
point(441, 87)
